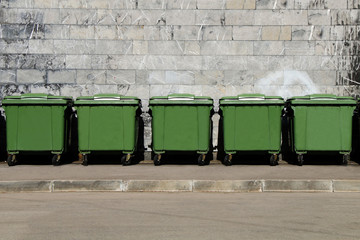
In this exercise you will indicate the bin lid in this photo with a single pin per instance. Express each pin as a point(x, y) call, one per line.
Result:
point(181, 99)
point(107, 99)
point(252, 99)
point(322, 99)
point(36, 99)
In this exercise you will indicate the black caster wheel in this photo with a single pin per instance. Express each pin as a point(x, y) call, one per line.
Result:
point(274, 160)
point(11, 160)
point(157, 160)
point(85, 160)
point(228, 160)
point(345, 159)
point(126, 160)
point(300, 159)
point(56, 160)
point(202, 160)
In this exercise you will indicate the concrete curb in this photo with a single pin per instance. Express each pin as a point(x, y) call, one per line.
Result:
point(181, 186)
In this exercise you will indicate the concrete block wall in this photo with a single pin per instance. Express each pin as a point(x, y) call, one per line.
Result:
point(156, 47)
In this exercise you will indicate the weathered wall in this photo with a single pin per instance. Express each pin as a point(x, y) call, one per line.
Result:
point(156, 47)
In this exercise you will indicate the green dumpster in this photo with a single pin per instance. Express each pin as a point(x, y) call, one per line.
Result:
point(250, 123)
point(108, 123)
point(182, 123)
point(321, 123)
point(36, 123)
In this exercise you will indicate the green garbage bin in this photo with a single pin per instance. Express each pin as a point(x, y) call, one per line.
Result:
point(321, 123)
point(36, 123)
point(182, 123)
point(108, 123)
point(250, 123)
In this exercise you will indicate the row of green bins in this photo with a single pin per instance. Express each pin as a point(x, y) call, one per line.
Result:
point(182, 123)
point(36, 123)
point(321, 123)
point(109, 123)
point(250, 123)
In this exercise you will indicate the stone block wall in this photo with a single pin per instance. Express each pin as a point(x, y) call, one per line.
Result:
point(156, 47)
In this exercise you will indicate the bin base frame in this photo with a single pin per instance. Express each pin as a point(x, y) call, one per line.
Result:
point(202, 158)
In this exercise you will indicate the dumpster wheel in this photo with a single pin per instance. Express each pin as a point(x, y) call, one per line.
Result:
point(56, 160)
point(126, 159)
point(11, 160)
point(157, 159)
point(202, 160)
point(85, 160)
point(345, 159)
point(274, 160)
point(228, 160)
point(300, 159)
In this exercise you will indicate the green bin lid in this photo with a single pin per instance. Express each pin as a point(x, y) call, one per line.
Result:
point(252, 99)
point(180, 99)
point(107, 99)
point(36, 99)
point(321, 99)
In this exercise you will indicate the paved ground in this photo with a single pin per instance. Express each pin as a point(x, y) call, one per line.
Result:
point(147, 171)
point(179, 216)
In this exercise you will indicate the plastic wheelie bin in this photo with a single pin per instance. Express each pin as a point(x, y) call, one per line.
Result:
point(37, 123)
point(109, 123)
point(321, 123)
point(182, 123)
point(250, 123)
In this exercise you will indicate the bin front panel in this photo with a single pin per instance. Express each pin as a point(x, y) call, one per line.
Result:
point(181, 127)
point(323, 128)
point(252, 128)
point(107, 127)
point(35, 128)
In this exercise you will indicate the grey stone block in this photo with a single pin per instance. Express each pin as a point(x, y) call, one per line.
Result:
point(77, 16)
point(238, 78)
point(158, 186)
point(151, 4)
point(274, 4)
point(113, 17)
point(7, 76)
point(227, 186)
point(62, 76)
point(187, 33)
point(82, 32)
point(90, 76)
point(269, 48)
point(159, 33)
point(31, 76)
point(14, 46)
point(41, 46)
point(140, 47)
point(210, 17)
point(87, 185)
point(217, 33)
point(53, 89)
point(269, 17)
point(78, 61)
point(226, 48)
point(210, 4)
point(148, 17)
point(112, 47)
point(45, 4)
point(180, 17)
point(150, 77)
point(211, 77)
point(240, 4)
point(247, 32)
point(180, 77)
point(181, 4)
point(166, 47)
point(57, 31)
point(300, 48)
point(25, 186)
point(120, 77)
point(77, 46)
point(192, 48)
point(319, 17)
point(240, 17)
point(298, 186)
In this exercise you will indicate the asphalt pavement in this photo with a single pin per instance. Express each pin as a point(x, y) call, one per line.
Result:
point(179, 216)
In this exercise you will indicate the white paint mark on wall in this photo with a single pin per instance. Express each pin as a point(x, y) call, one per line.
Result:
point(286, 84)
